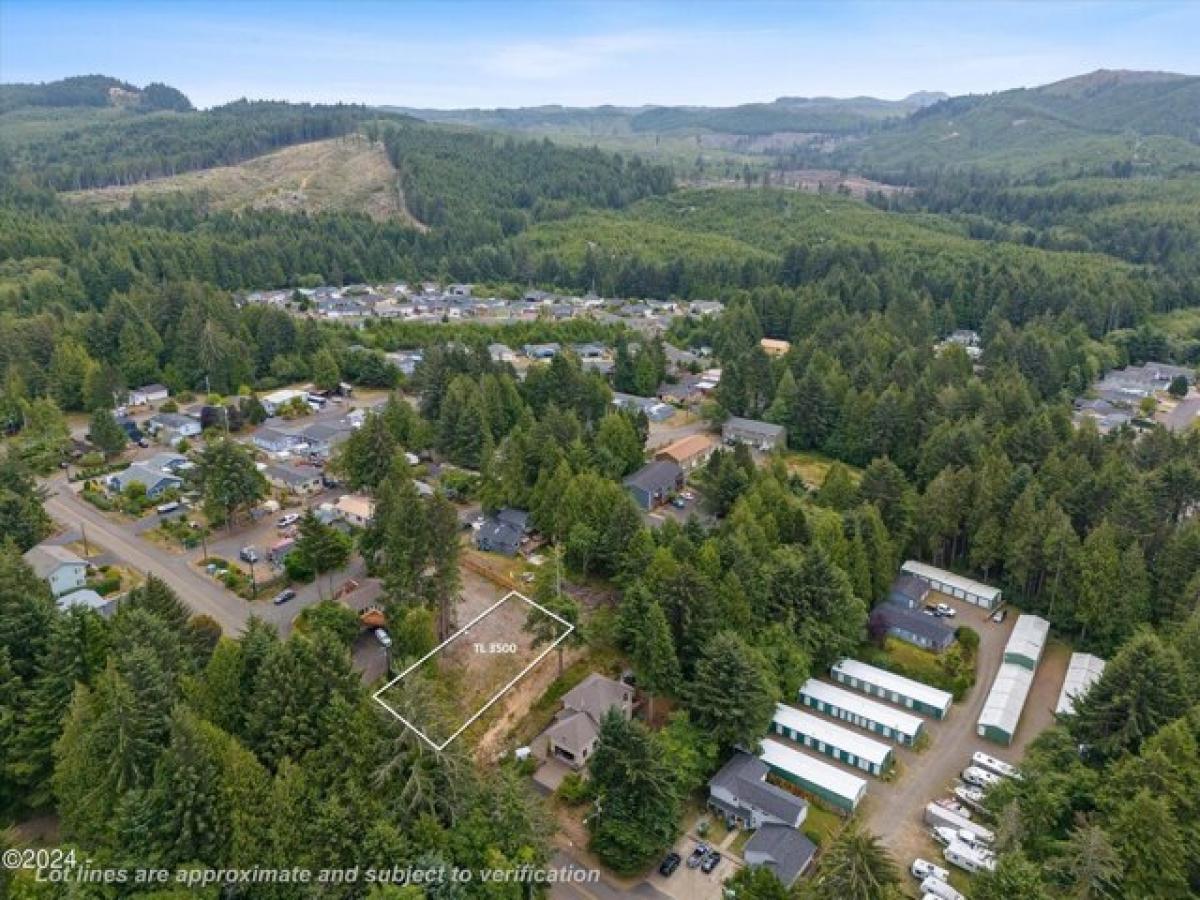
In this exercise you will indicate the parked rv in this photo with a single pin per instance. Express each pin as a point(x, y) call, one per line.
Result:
point(938, 888)
point(972, 796)
point(999, 766)
point(923, 868)
point(967, 857)
point(940, 816)
point(980, 778)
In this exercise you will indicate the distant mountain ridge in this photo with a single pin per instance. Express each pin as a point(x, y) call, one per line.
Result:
point(800, 114)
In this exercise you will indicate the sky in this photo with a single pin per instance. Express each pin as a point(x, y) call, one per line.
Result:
point(475, 53)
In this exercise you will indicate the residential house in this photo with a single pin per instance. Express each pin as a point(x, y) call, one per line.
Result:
point(653, 484)
point(405, 360)
point(501, 353)
point(576, 729)
point(542, 351)
point(274, 440)
point(785, 851)
point(155, 481)
point(88, 599)
point(294, 480)
point(58, 567)
point(706, 308)
point(909, 592)
point(591, 350)
point(741, 794)
point(355, 509)
point(912, 626)
point(760, 435)
point(322, 438)
point(690, 452)
point(174, 428)
point(503, 532)
point(775, 347)
point(655, 409)
point(170, 463)
point(276, 400)
point(148, 393)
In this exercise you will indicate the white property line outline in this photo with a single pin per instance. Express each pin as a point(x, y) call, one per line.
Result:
point(438, 748)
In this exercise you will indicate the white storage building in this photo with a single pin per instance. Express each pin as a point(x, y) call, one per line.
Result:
point(1083, 671)
point(952, 585)
point(1002, 709)
point(823, 781)
point(842, 744)
point(856, 709)
point(1027, 641)
point(912, 694)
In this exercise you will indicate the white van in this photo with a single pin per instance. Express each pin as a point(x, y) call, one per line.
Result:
point(923, 868)
point(165, 508)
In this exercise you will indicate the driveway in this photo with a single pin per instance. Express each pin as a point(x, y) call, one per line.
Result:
point(895, 810)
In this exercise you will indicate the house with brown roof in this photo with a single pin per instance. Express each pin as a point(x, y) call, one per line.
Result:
point(690, 452)
point(573, 736)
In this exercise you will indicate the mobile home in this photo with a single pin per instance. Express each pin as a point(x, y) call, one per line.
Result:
point(824, 782)
point(906, 692)
point(834, 741)
point(888, 721)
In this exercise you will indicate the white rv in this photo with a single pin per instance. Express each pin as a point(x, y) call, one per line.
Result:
point(969, 858)
point(999, 766)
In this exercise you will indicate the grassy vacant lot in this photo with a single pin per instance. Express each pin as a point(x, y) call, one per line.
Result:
point(347, 173)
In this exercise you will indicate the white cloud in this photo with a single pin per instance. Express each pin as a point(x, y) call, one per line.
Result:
point(542, 60)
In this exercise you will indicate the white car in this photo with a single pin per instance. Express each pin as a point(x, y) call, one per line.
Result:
point(923, 868)
point(288, 521)
point(385, 639)
point(945, 609)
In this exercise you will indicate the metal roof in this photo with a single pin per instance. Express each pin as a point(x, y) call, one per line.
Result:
point(880, 713)
point(832, 735)
point(1083, 671)
point(906, 687)
point(1028, 637)
point(1006, 700)
point(967, 585)
point(822, 774)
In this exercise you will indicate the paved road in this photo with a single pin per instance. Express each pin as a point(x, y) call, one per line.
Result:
point(202, 594)
point(603, 889)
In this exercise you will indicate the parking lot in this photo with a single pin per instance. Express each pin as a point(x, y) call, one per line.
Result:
point(688, 883)
point(895, 810)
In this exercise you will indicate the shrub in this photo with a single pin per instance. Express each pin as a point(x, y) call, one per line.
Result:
point(574, 789)
point(298, 568)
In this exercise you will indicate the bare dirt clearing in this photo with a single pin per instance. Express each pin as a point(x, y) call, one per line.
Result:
point(346, 173)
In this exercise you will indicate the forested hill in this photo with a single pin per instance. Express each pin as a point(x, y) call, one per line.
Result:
point(124, 149)
point(1104, 122)
point(92, 91)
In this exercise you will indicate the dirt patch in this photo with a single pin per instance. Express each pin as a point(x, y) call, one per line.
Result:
point(346, 173)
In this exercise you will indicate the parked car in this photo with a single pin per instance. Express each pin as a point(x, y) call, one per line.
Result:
point(288, 521)
point(669, 864)
point(947, 611)
point(922, 868)
point(679, 503)
point(284, 596)
point(1000, 615)
point(710, 862)
point(143, 443)
point(385, 639)
point(698, 855)
point(167, 508)
point(248, 554)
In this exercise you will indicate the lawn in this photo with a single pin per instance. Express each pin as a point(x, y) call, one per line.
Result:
point(821, 825)
point(812, 467)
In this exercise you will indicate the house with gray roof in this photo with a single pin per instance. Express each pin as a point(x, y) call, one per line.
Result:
point(503, 532)
point(88, 599)
point(783, 850)
point(653, 484)
point(58, 567)
point(762, 435)
point(573, 736)
point(914, 626)
point(155, 481)
point(293, 479)
point(541, 351)
point(275, 440)
point(741, 794)
point(171, 428)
